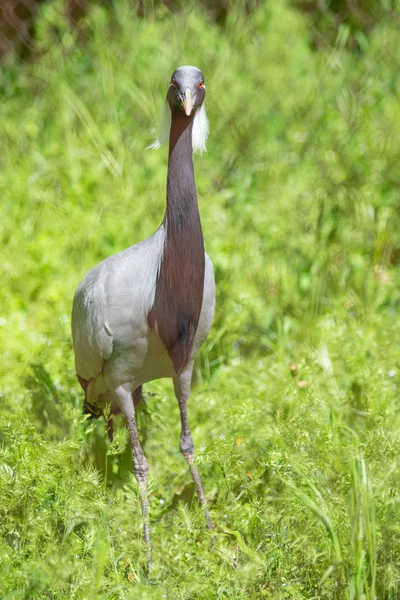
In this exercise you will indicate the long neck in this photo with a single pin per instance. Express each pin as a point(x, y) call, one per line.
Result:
point(179, 287)
point(181, 187)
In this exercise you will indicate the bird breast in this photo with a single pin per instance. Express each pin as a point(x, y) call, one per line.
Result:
point(113, 342)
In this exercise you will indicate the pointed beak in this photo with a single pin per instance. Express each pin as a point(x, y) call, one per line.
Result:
point(188, 102)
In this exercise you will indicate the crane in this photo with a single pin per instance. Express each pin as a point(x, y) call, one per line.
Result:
point(143, 313)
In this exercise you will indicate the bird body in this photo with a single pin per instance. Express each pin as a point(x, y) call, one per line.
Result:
point(114, 344)
point(143, 313)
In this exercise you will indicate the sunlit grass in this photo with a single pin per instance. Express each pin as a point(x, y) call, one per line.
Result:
point(294, 410)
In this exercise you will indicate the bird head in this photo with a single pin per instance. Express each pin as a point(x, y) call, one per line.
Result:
point(186, 90)
point(185, 95)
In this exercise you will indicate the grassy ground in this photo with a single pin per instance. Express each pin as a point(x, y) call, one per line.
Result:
point(295, 410)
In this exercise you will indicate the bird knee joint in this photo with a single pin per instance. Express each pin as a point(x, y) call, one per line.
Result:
point(141, 471)
point(187, 447)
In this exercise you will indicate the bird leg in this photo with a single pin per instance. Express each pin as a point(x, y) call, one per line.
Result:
point(137, 396)
point(126, 401)
point(141, 469)
point(187, 446)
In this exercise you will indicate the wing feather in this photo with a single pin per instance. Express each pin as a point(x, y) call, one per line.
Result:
point(92, 335)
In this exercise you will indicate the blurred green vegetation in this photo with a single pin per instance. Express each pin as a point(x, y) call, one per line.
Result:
point(295, 410)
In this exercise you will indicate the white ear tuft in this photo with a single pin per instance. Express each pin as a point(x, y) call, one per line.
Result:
point(154, 146)
point(163, 128)
point(200, 130)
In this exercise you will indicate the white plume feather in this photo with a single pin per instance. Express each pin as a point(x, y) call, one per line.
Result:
point(200, 130)
point(199, 134)
point(164, 127)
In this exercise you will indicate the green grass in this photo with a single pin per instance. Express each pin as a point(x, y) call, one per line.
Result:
point(295, 409)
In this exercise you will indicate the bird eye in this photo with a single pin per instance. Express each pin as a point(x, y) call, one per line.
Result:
point(173, 82)
point(201, 85)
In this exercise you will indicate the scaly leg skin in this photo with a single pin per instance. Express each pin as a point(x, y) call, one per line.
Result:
point(140, 465)
point(141, 469)
point(182, 389)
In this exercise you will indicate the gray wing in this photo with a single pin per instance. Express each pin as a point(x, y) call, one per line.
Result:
point(208, 306)
point(91, 333)
point(114, 299)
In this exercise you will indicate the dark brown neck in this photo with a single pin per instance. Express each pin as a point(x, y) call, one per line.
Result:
point(179, 289)
point(181, 188)
point(182, 209)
